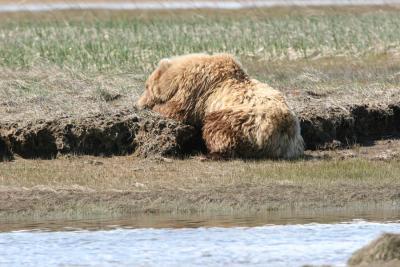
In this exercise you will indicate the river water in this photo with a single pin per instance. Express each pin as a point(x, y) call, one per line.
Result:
point(188, 242)
point(149, 5)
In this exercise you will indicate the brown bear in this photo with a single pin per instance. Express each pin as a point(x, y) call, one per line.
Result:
point(238, 116)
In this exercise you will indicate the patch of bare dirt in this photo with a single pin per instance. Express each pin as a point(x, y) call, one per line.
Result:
point(384, 251)
point(380, 150)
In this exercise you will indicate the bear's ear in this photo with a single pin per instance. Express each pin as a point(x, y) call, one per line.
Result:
point(164, 64)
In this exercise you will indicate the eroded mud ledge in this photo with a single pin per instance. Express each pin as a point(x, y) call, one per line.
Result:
point(124, 132)
point(348, 125)
point(144, 133)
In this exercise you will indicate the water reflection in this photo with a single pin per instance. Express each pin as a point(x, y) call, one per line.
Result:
point(281, 217)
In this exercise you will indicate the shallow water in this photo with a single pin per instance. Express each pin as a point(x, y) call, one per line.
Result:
point(378, 212)
point(36, 7)
point(269, 245)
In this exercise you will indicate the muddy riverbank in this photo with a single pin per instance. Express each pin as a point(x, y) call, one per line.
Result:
point(342, 126)
point(324, 125)
point(130, 162)
point(79, 186)
point(141, 133)
point(76, 201)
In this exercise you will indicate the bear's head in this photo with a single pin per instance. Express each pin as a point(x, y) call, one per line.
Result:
point(157, 90)
point(189, 77)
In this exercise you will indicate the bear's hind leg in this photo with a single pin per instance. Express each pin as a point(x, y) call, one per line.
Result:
point(219, 136)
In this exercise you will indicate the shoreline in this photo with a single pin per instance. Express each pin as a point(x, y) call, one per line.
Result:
point(127, 186)
point(374, 212)
point(114, 205)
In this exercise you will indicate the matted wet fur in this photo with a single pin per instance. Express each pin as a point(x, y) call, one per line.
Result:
point(238, 116)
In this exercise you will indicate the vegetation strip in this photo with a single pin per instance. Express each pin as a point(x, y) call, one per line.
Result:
point(117, 186)
point(135, 41)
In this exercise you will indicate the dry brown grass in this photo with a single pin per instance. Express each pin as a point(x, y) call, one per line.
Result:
point(125, 185)
point(122, 173)
point(383, 251)
point(44, 92)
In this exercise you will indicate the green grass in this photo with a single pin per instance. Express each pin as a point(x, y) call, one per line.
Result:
point(136, 43)
point(103, 58)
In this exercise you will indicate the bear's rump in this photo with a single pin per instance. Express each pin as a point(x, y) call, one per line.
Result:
point(248, 133)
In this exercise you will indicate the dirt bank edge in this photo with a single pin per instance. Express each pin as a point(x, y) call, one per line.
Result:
point(348, 125)
point(5, 150)
point(120, 133)
point(144, 133)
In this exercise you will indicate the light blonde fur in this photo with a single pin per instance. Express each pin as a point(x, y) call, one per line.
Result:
point(238, 116)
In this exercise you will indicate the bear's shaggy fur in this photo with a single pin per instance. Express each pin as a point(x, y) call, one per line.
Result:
point(238, 116)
